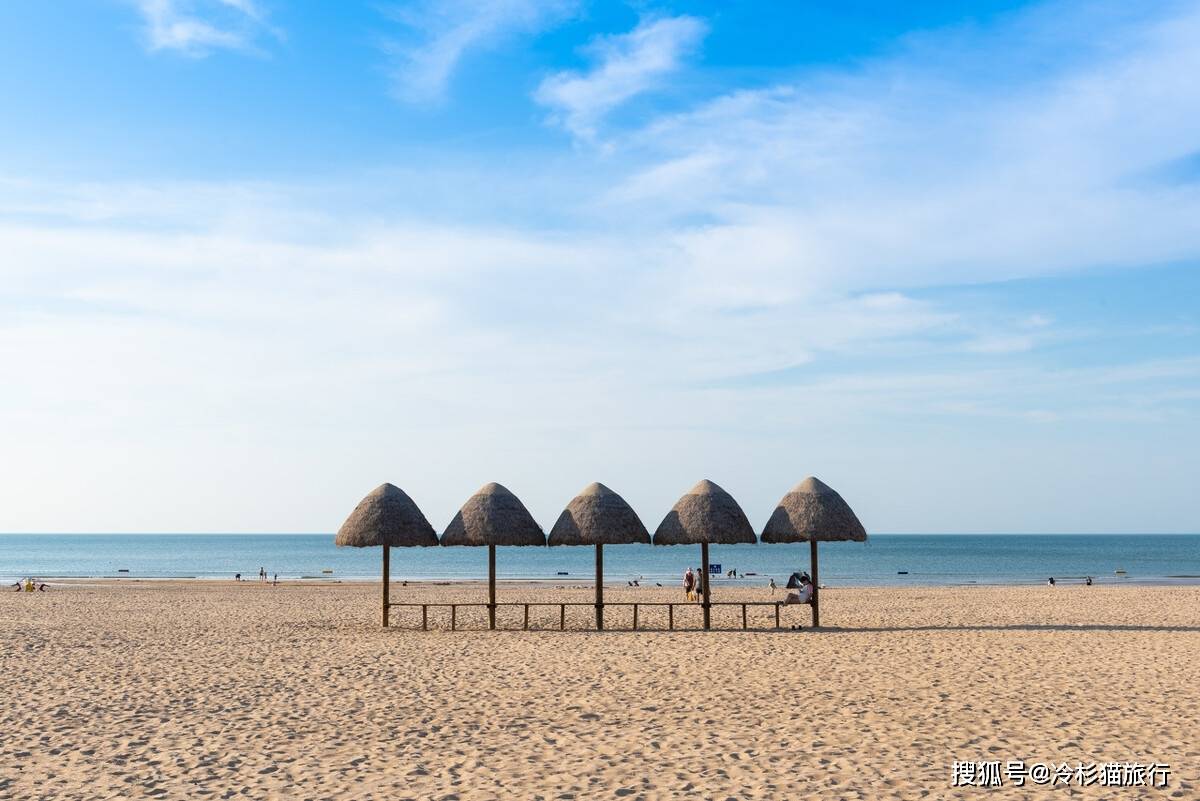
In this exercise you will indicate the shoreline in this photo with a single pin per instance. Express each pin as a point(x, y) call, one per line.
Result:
point(582, 582)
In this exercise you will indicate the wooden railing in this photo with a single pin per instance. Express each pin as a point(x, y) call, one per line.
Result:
point(562, 609)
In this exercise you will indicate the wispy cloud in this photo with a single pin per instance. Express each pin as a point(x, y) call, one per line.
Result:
point(441, 32)
point(197, 27)
point(741, 289)
point(898, 173)
point(626, 66)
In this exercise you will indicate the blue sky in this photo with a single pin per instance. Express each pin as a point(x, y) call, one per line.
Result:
point(260, 256)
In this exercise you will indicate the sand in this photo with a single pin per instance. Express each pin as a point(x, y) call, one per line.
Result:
point(182, 690)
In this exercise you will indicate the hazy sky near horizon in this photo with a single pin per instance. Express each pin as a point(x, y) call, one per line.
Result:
point(257, 257)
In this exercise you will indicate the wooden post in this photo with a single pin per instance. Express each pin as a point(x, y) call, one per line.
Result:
point(525, 625)
point(704, 578)
point(599, 587)
point(491, 586)
point(453, 615)
point(386, 582)
point(424, 617)
point(562, 617)
point(816, 584)
point(776, 614)
point(635, 608)
point(743, 616)
point(671, 617)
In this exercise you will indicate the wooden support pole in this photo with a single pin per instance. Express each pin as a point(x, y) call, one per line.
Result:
point(743, 616)
point(453, 615)
point(386, 582)
point(599, 587)
point(816, 584)
point(525, 625)
point(777, 615)
point(562, 617)
point(704, 578)
point(491, 586)
point(671, 617)
point(635, 611)
point(424, 617)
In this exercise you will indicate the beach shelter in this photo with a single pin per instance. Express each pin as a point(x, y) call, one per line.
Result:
point(598, 516)
point(706, 514)
point(493, 516)
point(387, 517)
point(812, 511)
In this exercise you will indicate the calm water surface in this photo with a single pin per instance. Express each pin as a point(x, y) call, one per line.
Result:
point(927, 559)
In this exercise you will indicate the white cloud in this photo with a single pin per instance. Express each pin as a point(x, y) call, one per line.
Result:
point(627, 65)
point(197, 27)
point(899, 174)
point(735, 291)
point(442, 32)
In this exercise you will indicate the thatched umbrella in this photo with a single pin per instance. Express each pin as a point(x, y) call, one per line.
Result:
point(706, 514)
point(813, 511)
point(598, 516)
point(493, 516)
point(387, 517)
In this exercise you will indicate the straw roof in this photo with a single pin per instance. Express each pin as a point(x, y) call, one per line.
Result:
point(598, 516)
point(812, 510)
point(493, 516)
point(387, 516)
point(706, 513)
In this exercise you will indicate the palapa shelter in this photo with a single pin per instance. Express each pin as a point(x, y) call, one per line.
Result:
point(598, 516)
point(493, 516)
point(387, 517)
point(813, 511)
point(706, 514)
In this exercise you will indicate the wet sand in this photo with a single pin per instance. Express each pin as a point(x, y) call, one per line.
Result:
point(216, 690)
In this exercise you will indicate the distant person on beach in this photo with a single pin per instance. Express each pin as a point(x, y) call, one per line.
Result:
point(275, 580)
point(237, 576)
point(1051, 581)
point(1088, 581)
point(803, 593)
point(689, 583)
point(17, 586)
point(772, 585)
point(262, 575)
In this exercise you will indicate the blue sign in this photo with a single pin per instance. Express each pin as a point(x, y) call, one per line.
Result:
point(714, 570)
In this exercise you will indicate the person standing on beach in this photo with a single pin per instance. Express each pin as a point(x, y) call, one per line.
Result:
point(262, 575)
point(689, 582)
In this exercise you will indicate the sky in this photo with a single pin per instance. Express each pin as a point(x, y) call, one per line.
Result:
point(257, 257)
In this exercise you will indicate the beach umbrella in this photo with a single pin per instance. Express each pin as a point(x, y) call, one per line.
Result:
point(493, 516)
point(812, 511)
point(706, 514)
point(794, 581)
point(387, 517)
point(598, 516)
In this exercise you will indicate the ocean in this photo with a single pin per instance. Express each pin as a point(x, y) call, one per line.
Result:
point(884, 560)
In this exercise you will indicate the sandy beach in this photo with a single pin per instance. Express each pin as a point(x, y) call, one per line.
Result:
point(188, 690)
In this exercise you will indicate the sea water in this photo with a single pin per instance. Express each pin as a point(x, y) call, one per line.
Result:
point(884, 560)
